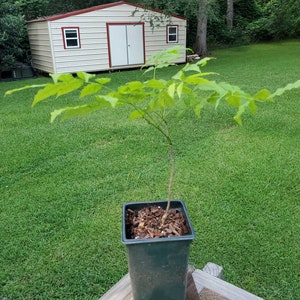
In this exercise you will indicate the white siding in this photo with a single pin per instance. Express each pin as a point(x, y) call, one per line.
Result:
point(40, 46)
point(93, 54)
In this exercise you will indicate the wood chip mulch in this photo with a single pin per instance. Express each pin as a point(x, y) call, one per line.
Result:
point(207, 294)
point(146, 223)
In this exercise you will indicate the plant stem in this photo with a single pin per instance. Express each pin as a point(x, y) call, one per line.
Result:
point(172, 171)
point(165, 132)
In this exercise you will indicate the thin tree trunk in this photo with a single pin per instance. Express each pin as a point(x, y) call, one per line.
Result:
point(172, 171)
point(229, 14)
point(201, 45)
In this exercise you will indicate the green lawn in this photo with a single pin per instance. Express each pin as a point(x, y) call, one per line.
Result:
point(62, 185)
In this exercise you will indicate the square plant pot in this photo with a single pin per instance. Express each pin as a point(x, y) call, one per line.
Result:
point(158, 266)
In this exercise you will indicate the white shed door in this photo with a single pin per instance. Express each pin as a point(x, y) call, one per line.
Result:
point(126, 44)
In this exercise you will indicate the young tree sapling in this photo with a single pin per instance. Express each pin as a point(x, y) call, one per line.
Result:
point(153, 100)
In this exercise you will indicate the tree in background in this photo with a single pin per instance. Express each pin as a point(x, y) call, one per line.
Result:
point(230, 20)
point(195, 11)
point(229, 14)
point(279, 19)
point(210, 22)
point(12, 34)
point(33, 9)
point(201, 40)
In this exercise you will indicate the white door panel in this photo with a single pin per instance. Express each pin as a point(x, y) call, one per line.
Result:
point(135, 44)
point(126, 44)
point(118, 45)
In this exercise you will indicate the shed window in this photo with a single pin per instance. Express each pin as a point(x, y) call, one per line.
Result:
point(71, 37)
point(172, 34)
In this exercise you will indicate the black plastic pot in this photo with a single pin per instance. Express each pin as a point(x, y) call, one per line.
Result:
point(158, 266)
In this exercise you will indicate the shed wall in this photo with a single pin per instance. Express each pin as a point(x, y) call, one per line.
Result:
point(93, 54)
point(40, 45)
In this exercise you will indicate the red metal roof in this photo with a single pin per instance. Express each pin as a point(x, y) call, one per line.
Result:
point(93, 8)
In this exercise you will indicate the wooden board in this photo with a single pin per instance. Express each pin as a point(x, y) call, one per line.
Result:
point(221, 287)
point(203, 284)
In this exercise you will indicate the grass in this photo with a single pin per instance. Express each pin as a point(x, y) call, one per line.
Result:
point(62, 185)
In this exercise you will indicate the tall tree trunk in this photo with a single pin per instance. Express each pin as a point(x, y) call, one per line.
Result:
point(229, 14)
point(201, 45)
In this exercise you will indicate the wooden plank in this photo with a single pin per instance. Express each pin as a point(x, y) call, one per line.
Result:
point(204, 293)
point(222, 287)
point(212, 269)
point(120, 291)
point(207, 283)
point(191, 289)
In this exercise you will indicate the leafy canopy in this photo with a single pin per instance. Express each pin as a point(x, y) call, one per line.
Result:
point(187, 89)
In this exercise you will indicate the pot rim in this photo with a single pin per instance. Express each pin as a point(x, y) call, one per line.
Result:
point(174, 204)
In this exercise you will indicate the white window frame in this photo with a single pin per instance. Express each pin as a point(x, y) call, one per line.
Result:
point(172, 34)
point(65, 31)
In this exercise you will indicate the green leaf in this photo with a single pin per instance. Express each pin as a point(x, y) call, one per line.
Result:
point(179, 89)
point(198, 108)
point(234, 99)
point(85, 109)
point(65, 83)
point(213, 99)
point(221, 95)
point(49, 90)
point(166, 100)
point(86, 77)
point(161, 102)
point(56, 113)
point(149, 69)
point(155, 84)
point(68, 86)
point(187, 92)
point(202, 62)
point(208, 73)
point(61, 77)
point(262, 95)
point(130, 92)
point(75, 111)
point(163, 58)
point(171, 90)
point(24, 88)
point(252, 106)
point(179, 76)
point(134, 86)
point(103, 80)
point(191, 67)
point(90, 89)
point(288, 87)
point(163, 65)
point(65, 77)
point(55, 77)
point(196, 79)
point(102, 103)
point(238, 116)
point(151, 105)
point(137, 114)
point(111, 100)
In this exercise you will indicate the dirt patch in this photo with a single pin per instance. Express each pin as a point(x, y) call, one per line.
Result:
point(147, 223)
point(207, 294)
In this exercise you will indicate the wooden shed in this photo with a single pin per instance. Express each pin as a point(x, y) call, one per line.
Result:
point(103, 37)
